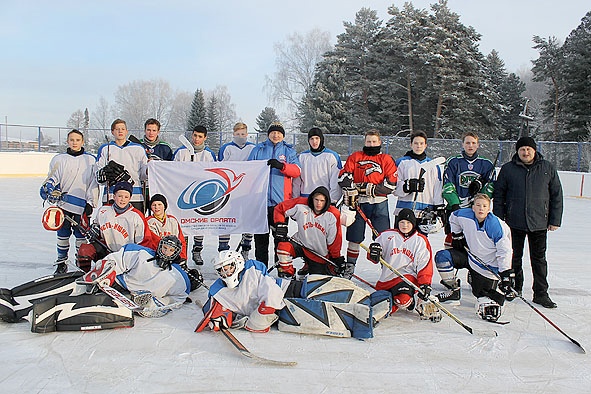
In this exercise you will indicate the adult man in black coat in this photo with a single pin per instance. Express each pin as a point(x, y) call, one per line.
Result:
point(528, 196)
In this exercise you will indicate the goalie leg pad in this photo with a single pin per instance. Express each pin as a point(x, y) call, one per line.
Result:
point(18, 302)
point(381, 304)
point(333, 289)
point(326, 318)
point(79, 313)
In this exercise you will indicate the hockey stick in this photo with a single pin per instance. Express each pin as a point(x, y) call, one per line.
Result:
point(488, 268)
point(424, 168)
point(434, 300)
point(84, 232)
point(327, 261)
point(245, 352)
point(187, 145)
point(136, 140)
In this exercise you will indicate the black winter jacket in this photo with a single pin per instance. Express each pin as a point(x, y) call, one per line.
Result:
point(528, 198)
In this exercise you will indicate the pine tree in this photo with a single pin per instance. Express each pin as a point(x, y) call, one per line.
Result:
point(198, 114)
point(212, 118)
point(265, 118)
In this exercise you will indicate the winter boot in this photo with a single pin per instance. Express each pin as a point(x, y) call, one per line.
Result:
point(452, 295)
point(244, 251)
point(545, 301)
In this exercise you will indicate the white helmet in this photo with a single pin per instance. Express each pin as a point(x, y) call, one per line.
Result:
point(229, 264)
point(430, 223)
point(53, 218)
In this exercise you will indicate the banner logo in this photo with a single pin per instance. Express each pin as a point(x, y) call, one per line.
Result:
point(210, 196)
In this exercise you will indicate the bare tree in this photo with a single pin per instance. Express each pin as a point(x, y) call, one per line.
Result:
point(102, 116)
point(225, 111)
point(179, 111)
point(295, 61)
point(76, 120)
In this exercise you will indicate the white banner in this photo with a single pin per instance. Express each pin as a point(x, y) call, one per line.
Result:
point(228, 197)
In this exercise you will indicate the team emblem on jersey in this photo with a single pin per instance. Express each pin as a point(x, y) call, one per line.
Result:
point(467, 177)
point(370, 167)
point(470, 166)
point(210, 196)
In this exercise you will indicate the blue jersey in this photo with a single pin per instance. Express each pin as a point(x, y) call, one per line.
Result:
point(460, 171)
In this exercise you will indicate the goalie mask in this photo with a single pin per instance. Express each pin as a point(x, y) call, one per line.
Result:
point(169, 249)
point(229, 265)
point(53, 218)
point(430, 223)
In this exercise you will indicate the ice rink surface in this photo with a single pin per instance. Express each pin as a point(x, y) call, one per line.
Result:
point(406, 354)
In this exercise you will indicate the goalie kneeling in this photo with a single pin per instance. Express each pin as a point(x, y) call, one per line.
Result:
point(246, 296)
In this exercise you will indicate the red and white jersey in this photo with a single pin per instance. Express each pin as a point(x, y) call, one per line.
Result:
point(136, 270)
point(133, 157)
point(410, 168)
point(168, 226)
point(128, 227)
point(318, 169)
point(377, 169)
point(76, 178)
point(320, 233)
point(411, 256)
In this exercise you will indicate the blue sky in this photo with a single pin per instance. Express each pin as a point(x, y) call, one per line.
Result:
point(59, 56)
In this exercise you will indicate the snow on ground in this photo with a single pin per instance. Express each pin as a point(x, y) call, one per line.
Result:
point(165, 355)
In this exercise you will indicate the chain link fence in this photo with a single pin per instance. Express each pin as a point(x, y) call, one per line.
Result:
point(566, 156)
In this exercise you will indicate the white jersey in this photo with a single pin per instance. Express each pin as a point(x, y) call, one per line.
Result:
point(233, 152)
point(137, 271)
point(128, 227)
point(318, 169)
point(490, 241)
point(410, 168)
point(133, 157)
point(255, 286)
point(183, 154)
point(411, 256)
point(75, 176)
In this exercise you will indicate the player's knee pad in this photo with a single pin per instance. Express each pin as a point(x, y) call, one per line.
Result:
point(445, 266)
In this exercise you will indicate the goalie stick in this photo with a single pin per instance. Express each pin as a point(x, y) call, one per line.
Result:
point(187, 145)
point(488, 268)
point(434, 300)
point(245, 352)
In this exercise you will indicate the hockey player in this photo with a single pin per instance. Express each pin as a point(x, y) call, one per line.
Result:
point(122, 160)
point(283, 161)
point(202, 153)
point(237, 150)
point(162, 224)
point(72, 184)
point(156, 149)
point(409, 252)
point(115, 226)
point(465, 175)
point(320, 166)
point(154, 278)
point(319, 230)
point(367, 178)
point(246, 296)
point(488, 238)
point(422, 194)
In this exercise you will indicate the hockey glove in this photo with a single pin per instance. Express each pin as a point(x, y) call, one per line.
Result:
point(366, 189)
point(218, 317)
point(286, 270)
point(46, 190)
point(474, 187)
point(281, 232)
point(425, 292)
point(347, 271)
point(338, 262)
point(454, 207)
point(93, 233)
point(346, 181)
point(88, 210)
point(375, 252)
point(507, 281)
point(274, 163)
point(458, 241)
point(414, 185)
point(350, 197)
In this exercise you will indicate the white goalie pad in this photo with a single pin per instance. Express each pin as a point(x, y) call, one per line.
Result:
point(333, 289)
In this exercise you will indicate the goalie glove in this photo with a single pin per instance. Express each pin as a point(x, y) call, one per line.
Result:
point(261, 319)
point(375, 252)
point(216, 318)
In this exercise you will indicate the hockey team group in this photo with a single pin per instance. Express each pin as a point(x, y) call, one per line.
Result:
point(132, 248)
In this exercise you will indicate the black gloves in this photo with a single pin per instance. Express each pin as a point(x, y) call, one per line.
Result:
point(93, 233)
point(375, 252)
point(281, 232)
point(507, 281)
point(113, 172)
point(458, 241)
point(455, 207)
point(414, 185)
point(338, 262)
point(474, 187)
point(425, 292)
point(88, 210)
point(274, 163)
